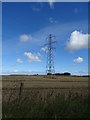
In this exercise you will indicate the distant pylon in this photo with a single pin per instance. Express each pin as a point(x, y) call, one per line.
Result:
point(50, 69)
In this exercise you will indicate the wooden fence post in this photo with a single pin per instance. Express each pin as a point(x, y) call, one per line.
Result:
point(20, 91)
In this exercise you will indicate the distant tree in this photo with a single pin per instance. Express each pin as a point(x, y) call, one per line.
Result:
point(57, 74)
point(66, 73)
point(49, 74)
point(62, 74)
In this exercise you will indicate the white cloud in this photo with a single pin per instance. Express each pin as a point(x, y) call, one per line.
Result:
point(39, 54)
point(78, 60)
point(51, 3)
point(15, 71)
point(13, 65)
point(52, 20)
point(10, 72)
point(44, 49)
point(32, 57)
point(25, 38)
point(89, 40)
point(20, 72)
point(77, 41)
point(44, 0)
point(19, 61)
point(85, 72)
point(61, 31)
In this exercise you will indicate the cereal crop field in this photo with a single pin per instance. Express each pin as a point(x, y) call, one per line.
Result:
point(39, 96)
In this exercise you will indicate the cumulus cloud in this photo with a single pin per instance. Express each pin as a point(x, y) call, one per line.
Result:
point(78, 60)
point(77, 41)
point(44, 49)
point(32, 57)
point(19, 61)
point(25, 38)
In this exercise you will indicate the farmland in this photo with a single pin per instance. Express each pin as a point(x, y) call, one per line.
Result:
point(44, 96)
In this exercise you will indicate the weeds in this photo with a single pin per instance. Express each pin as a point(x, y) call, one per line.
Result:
point(74, 106)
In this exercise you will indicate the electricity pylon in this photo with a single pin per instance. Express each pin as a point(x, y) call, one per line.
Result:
point(50, 69)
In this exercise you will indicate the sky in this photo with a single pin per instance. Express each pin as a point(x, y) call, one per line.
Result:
point(50, 1)
point(26, 27)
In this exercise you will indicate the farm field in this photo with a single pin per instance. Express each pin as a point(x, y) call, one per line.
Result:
point(44, 96)
point(45, 81)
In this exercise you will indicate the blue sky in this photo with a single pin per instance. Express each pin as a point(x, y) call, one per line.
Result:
point(25, 28)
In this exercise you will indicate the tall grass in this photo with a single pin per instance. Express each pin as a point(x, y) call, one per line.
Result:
point(72, 106)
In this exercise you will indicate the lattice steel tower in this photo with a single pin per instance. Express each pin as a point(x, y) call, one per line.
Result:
point(50, 69)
